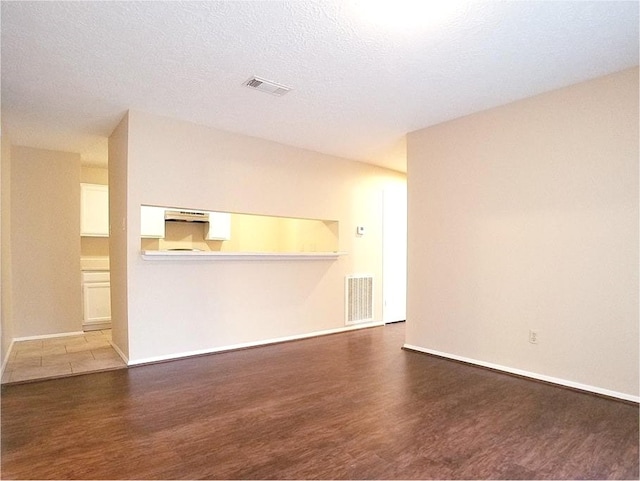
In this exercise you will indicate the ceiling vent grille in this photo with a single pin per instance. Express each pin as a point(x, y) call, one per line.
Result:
point(267, 86)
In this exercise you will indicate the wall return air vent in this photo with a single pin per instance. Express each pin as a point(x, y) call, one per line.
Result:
point(267, 86)
point(358, 299)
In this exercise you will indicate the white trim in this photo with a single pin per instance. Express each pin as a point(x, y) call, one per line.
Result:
point(532, 375)
point(120, 353)
point(48, 336)
point(245, 345)
point(96, 325)
point(236, 256)
point(5, 361)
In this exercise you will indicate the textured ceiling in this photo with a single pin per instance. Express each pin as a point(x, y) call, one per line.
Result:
point(71, 69)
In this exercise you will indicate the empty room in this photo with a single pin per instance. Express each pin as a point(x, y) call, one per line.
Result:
point(320, 240)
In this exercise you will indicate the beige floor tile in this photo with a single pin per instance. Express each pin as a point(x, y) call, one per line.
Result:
point(78, 347)
point(40, 372)
point(105, 353)
point(58, 359)
point(96, 365)
point(27, 351)
point(87, 346)
point(14, 364)
point(46, 351)
point(63, 341)
point(26, 345)
point(61, 356)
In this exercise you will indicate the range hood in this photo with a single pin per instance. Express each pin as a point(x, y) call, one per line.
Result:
point(186, 216)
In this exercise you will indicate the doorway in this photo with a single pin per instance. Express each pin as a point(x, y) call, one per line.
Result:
point(394, 254)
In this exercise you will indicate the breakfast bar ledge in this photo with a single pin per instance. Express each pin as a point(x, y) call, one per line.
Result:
point(168, 255)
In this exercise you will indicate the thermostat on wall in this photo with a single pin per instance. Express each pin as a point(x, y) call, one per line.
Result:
point(360, 230)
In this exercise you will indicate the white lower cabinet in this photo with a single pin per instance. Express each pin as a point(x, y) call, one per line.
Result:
point(96, 300)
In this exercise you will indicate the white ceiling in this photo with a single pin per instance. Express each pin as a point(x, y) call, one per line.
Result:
point(71, 69)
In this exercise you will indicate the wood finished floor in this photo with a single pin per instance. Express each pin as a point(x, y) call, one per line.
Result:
point(346, 406)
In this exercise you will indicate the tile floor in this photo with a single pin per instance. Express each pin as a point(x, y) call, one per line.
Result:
point(61, 356)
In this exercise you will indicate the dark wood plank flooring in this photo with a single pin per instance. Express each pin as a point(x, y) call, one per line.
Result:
point(346, 406)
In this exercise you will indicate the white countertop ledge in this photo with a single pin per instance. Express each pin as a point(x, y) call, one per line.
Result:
point(236, 256)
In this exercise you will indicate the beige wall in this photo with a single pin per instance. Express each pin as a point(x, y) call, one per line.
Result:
point(118, 198)
point(182, 307)
point(45, 241)
point(6, 313)
point(526, 217)
point(94, 175)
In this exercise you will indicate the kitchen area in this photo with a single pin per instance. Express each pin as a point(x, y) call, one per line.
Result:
point(299, 228)
point(246, 277)
point(173, 232)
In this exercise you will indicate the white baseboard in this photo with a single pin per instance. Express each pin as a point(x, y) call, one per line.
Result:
point(120, 353)
point(5, 361)
point(48, 336)
point(96, 326)
point(532, 375)
point(245, 345)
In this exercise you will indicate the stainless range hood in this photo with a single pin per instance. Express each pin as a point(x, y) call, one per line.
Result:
point(186, 216)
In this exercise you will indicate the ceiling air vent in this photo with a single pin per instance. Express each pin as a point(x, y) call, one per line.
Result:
point(267, 86)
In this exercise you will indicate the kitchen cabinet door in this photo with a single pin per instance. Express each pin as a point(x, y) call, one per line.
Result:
point(151, 222)
point(94, 210)
point(96, 297)
point(219, 226)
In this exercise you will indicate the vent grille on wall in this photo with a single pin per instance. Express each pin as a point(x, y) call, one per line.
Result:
point(267, 86)
point(359, 299)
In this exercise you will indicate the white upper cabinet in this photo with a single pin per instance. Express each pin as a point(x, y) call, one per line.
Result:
point(94, 210)
point(151, 222)
point(219, 226)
